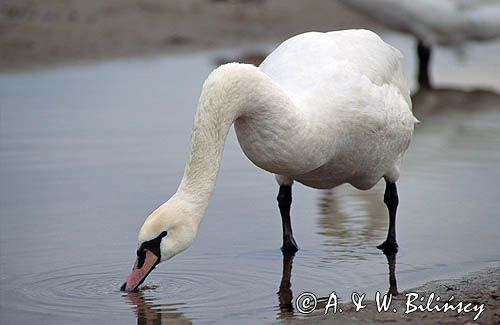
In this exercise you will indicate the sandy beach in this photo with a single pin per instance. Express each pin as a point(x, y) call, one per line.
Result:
point(41, 33)
point(481, 288)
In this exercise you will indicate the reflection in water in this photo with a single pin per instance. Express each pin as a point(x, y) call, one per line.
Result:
point(150, 313)
point(459, 135)
point(353, 229)
point(285, 294)
point(352, 221)
point(432, 102)
point(68, 160)
point(391, 261)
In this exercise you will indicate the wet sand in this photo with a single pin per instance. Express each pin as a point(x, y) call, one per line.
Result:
point(40, 33)
point(480, 287)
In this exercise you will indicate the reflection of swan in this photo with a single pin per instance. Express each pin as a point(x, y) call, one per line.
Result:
point(335, 225)
point(344, 229)
point(149, 313)
point(443, 22)
point(432, 102)
point(285, 294)
point(391, 261)
point(323, 109)
point(451, 132)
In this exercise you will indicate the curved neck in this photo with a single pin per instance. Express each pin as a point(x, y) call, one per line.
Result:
point(231, 91)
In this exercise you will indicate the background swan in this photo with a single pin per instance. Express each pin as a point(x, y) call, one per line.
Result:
point(443, 22)
point(323, 109)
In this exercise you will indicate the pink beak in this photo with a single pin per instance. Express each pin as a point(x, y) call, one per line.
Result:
point(138, 275)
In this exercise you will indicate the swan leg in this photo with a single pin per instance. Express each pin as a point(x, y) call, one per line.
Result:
point(424, 57)
point(284, 203)
point(391, 200)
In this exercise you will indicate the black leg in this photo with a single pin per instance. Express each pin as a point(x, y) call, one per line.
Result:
point(391, 200)
point(284, 203)
point(424, 57)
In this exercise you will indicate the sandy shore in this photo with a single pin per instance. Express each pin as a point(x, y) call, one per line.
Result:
point(481, 287)
point(47, 32)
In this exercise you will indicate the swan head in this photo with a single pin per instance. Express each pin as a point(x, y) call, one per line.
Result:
point(169, 230)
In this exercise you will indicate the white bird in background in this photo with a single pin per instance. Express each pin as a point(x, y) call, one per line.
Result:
point(323, 109)
point(435, 22)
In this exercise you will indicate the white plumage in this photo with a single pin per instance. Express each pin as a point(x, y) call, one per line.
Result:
point(443, 22)
point(435, 22)
point(351, 90)
point(323, 109)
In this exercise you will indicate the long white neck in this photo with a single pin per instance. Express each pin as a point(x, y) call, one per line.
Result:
point(230, 92)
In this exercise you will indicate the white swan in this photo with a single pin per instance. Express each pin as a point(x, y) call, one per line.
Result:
point(442, 22)
point(323, 109)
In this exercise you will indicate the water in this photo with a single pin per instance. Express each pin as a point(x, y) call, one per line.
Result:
point(87, 152)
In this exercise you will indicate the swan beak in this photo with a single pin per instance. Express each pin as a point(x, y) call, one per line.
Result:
point(139, 274)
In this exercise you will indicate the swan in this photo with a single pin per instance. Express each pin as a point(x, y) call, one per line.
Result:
point(443, 22)
point(322, 109)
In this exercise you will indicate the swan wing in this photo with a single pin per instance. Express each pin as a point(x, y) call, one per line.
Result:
point(328, 71)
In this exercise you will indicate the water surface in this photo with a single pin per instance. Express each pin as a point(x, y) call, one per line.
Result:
point(87, 152)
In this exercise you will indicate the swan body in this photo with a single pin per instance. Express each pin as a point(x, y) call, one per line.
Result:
point(443, 22)
point(323, 109)
point(353, 97)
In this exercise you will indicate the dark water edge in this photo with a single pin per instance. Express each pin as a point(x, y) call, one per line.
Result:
point(87, 152)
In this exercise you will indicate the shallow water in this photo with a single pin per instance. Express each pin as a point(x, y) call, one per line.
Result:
point(88, 151)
